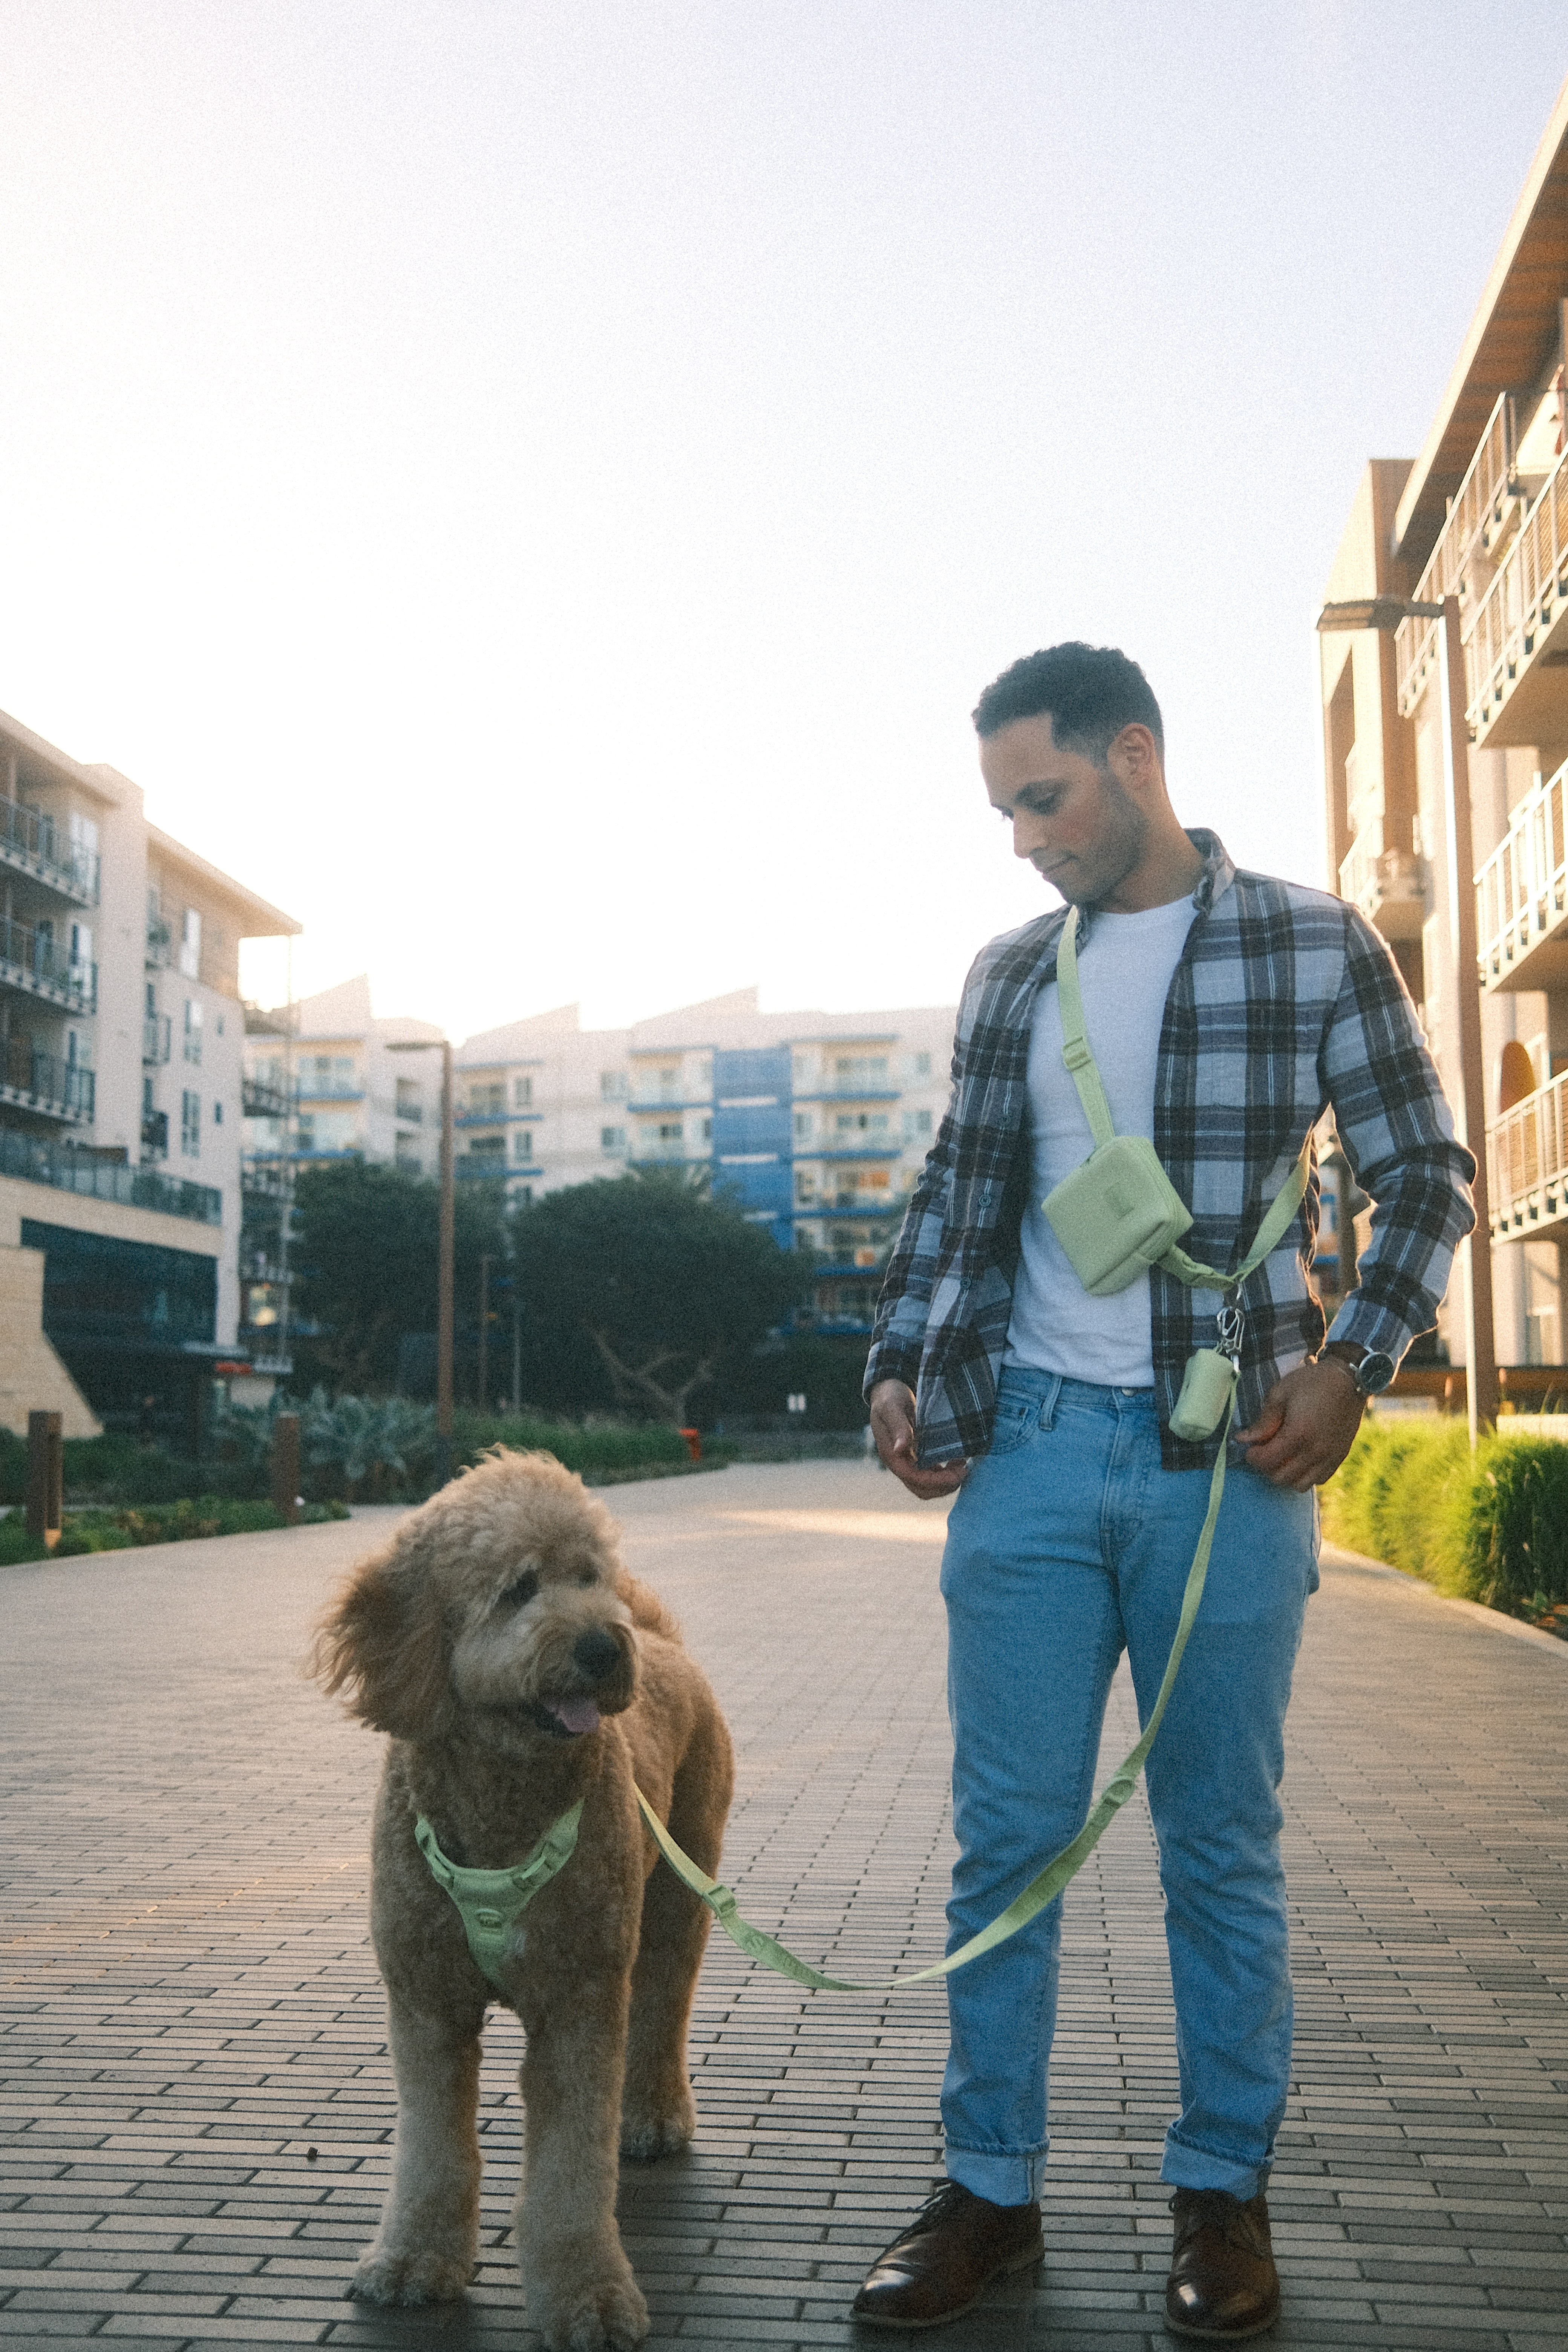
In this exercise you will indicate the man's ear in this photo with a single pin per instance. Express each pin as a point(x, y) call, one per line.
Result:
point(1133, 758)
point(382, 1645)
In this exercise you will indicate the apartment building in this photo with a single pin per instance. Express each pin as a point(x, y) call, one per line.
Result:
point(322, 1081)
point(121, 1047)
point(1481, 514)
point(817, 1121)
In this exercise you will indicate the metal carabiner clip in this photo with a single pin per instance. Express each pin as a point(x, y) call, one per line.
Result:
point(1230, 1324)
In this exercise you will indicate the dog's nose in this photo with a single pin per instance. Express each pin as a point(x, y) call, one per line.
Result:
point(598, 1654)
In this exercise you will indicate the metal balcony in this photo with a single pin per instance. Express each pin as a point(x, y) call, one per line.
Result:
point(41, 1161)
point(258, 1100)
point(1478, 514)
point(1521, 893)
point(42, 1082)
point(1388, 885)
point(1518, 631)
point(30, 844)
point(1527, 1165)
point(32, 962)
point(154, 1040)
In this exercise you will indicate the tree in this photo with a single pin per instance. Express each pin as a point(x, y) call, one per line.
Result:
point(365, 1263)
point(652, 1277)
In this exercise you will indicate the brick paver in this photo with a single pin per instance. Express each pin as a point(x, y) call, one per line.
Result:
point(197, 2103)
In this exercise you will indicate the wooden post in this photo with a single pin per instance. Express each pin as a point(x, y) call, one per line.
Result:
point(45, 1476)
point(285, 1465)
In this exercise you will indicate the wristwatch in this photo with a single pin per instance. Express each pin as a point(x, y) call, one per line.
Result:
point(1369, 1368)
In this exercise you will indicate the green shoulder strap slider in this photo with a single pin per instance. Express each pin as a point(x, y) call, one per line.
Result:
point(491, 1902)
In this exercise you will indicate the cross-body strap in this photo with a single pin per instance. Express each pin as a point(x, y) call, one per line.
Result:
point(1085, 1075)
point(1081, 1061)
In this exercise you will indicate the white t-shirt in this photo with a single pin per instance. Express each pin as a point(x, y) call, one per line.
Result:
point(1124, 976)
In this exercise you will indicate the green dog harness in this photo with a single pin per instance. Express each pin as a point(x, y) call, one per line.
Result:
point(491, 1902)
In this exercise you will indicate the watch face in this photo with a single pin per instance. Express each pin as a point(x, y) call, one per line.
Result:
point(1374, 1373)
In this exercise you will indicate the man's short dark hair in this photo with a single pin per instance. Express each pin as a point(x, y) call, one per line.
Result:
point(1091, 693)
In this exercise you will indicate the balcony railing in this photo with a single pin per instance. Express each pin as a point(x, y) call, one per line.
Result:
point(476, 1167)
point(154, 1039)
point(1527, 598)
point(1388, 885)
point(266, 1179)
point(1471, 526)
point(1527, 1164)
point(1521, 893)
point(40, 1162)
point(29, 841)
point(42, 1082)
point(259, 1100)
point(33, 960)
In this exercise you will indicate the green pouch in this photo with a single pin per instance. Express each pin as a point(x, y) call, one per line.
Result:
point(1207, 1386)
point(1116, 1215)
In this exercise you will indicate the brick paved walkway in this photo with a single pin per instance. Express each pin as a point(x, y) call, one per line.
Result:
point(197, 2099)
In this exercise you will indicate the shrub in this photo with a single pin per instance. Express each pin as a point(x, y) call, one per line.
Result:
point(123, 1530)
point(1491, 1525)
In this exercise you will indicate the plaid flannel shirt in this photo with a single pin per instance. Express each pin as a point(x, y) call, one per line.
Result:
point(1285, 1003)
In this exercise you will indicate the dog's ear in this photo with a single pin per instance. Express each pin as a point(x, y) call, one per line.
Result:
point(382, 1645)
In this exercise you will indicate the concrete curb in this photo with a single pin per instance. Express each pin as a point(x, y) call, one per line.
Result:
point(1493, 1618)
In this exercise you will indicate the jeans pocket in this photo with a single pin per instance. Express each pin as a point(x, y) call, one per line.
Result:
point(1016, 1419)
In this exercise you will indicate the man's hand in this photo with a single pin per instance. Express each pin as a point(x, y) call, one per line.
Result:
point(1305, 1426)
point(893, 1427)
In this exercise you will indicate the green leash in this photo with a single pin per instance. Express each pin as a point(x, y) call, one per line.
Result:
point(1041, 1890)
point(489, 1901)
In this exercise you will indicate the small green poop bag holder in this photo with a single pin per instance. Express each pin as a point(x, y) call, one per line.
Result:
point(1119, 1213)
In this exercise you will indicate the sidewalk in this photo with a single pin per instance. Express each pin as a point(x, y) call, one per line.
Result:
point(198, 2103)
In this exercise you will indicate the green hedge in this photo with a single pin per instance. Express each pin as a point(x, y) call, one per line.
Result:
point(122, 1530)
point(1491, 1525)
point(601, 1453)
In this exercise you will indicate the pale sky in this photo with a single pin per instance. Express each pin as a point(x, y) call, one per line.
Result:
point(535, 486)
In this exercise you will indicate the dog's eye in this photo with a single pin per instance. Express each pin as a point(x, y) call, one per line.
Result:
point(587, 1576)
point(521, 1590)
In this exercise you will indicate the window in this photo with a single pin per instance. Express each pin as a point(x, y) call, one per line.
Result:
point(191, 945)
point(917, 1123)
point(922, 1065)
point(668, 1131)
point(707, 1131)
point(151, 1005)
point(217, 1114)
point(191, 1125)
point(488, 1147)
point(857, 1072)
point(802, 1124)
point(488, 1101)
point(522, 1093)
point(611, 1139)
point(805, 1185)
point(612, 1087)
point(82, 943)
point(193, 1030)
point(521, 1143)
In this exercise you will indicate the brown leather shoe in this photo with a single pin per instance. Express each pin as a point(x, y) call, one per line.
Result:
point(1223, 2282)
point(943, 2262)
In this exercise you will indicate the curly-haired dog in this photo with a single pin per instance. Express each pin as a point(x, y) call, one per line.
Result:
point(518, 1667)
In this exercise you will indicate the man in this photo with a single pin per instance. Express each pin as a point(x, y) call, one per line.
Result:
point(1225, 1011)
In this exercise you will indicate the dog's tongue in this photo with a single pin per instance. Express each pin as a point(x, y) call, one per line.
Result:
point(578, 1715)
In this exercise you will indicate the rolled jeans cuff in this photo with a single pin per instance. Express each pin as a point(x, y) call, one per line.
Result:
point(1185, 2166)
point(1000, 2178)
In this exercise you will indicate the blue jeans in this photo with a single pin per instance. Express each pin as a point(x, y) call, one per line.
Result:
point(1067, 1543)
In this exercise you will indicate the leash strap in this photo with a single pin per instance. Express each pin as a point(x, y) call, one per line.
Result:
point(491, 1902)
point(1085, 1075)
point(1042, 1889)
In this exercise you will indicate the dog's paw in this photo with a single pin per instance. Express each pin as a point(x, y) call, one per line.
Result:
point(608, 2315)
point(645, 2138)
point(410, 2280)
point(659, 2123)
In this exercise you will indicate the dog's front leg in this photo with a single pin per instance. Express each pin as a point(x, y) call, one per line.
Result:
point(425, 2248)
point(581, 2293)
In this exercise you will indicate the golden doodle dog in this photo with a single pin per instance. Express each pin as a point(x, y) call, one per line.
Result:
point(520, 1668)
